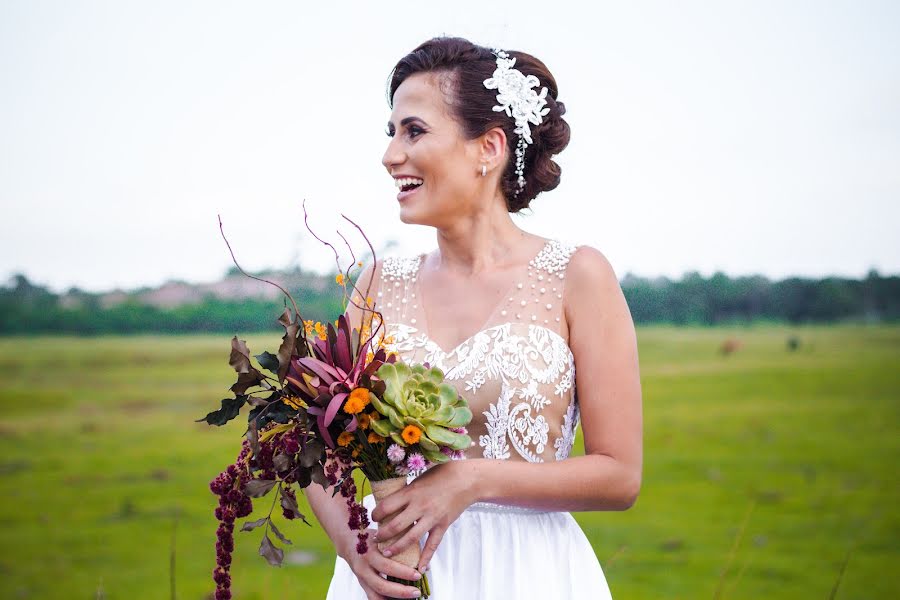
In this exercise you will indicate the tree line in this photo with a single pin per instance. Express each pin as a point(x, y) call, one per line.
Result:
point(26, 308)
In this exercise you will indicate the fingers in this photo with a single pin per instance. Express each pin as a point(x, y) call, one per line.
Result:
point(431, 545)
point(391, 567)
point(395, 525)
point(410, 537)
point(373, 583)
point(388, 506)
point(368, 569)
point(370, 593)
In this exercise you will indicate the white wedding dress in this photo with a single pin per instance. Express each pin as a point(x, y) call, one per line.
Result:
point(517, 374)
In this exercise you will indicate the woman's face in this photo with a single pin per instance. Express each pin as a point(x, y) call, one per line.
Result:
point(428, 144)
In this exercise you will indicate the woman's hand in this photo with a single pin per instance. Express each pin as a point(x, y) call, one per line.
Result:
point(368, 568)
point(433, 501)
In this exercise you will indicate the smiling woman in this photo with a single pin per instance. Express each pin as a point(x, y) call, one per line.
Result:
point(506, 315)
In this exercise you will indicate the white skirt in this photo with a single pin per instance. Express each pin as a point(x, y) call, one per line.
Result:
point(496, 551)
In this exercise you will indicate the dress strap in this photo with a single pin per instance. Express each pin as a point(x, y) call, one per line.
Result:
point(538, 297)
point(396, 297)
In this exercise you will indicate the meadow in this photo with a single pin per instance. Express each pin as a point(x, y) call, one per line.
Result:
point(768, 473)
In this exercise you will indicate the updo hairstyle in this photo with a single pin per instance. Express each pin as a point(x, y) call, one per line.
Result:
point(467, 65)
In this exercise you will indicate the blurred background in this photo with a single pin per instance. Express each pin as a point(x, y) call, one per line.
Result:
point(736, 162)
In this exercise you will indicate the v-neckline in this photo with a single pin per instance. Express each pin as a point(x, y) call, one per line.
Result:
point(485, 325)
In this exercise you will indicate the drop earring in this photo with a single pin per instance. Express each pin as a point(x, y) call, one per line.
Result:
point(483, 170)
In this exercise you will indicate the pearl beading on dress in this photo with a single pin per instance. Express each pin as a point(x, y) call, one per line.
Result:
point(551, 261)
point(395, 267)
point(553, 258)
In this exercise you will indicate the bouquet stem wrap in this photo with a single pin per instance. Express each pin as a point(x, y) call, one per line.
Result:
point(381, 490)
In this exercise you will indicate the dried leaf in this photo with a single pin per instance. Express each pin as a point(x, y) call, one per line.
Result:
point(318, 475)
point(247, 380)
point(230, 409)
point(268, 361)
point(282, 462)
point(278, 534)
point(253, 436)
point(303, 477)
point(251, 525)
point(256, 488)
point(240, 356)
point(312, 452)
point(288, 343)
point(270, 552)
point(290, 504)
point(257, 401)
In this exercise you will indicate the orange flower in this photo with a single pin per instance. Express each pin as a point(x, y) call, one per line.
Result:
point(363, 420)
point(411, 434)
point(321, 331)
point(357, 401)
point(345, 438)
point(374, 438)
point(339, 278)
point(355, 452)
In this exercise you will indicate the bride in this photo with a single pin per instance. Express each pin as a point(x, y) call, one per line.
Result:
point(507, 316)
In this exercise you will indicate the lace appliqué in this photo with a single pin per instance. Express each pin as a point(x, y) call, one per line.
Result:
point(564, 443)
point(533, 364)
point(521, 363)
point(498, 422)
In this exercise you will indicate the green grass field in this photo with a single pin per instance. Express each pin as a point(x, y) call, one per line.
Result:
point(766, 472)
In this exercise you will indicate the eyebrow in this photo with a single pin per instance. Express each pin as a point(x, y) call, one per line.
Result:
point(407, 120)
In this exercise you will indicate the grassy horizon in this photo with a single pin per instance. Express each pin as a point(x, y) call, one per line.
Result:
point(763, 470)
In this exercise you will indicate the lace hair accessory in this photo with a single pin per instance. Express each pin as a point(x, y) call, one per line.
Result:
point(520, 101)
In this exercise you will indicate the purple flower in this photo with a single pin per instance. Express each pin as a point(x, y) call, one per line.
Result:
point(361, 546)
point(416, 462)
point(396, 453)
point(461, 430)
point(452, 454)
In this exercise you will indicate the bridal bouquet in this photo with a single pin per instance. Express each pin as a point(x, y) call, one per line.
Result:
point(334, 401)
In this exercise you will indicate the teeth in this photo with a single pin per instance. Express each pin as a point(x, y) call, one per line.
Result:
point(407, 181)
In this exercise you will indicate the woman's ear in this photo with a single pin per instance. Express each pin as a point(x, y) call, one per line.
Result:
point(493, 147)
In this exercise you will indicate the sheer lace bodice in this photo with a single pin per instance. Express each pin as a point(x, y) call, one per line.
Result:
point(517, 373)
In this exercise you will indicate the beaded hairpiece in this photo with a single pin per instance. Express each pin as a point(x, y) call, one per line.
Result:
point(519, 101)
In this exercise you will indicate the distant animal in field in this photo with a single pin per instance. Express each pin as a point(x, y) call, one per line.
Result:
point(730, 346)
point(793, 343)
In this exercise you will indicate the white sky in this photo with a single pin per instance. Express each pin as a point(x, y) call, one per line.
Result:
point(748, 137)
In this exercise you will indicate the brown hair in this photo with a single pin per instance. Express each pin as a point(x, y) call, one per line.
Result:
point(466, 66)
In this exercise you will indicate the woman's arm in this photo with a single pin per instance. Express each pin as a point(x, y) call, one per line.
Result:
point(333, 514)
point(608, 477)
point(603, 340)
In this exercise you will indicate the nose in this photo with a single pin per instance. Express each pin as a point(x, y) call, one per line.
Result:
point(393, 155)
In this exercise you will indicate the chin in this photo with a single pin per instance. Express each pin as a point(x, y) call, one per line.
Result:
point(412, 215)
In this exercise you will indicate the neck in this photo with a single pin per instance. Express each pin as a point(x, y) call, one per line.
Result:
point(481, 242)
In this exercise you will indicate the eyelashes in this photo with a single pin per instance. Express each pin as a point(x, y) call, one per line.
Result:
point(412, 131)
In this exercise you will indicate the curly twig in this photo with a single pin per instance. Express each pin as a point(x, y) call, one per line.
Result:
point(284, 291)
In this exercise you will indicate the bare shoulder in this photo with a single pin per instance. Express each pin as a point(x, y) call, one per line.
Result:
point(590, 272)
point(592, 292)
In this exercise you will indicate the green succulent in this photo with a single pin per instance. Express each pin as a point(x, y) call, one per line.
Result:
point(418, 396)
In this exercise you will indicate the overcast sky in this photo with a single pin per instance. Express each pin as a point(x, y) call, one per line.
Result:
point(748, 137)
